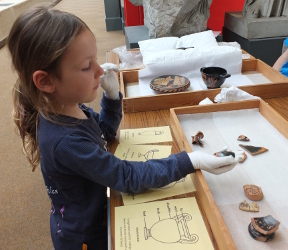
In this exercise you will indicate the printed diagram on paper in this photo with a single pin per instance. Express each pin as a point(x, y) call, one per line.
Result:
point(145, 135)
point(142, 152)
point(170, 224)
point(183, 186)
point(148, 152)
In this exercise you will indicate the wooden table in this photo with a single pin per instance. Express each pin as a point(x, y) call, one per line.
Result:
point(162, 118)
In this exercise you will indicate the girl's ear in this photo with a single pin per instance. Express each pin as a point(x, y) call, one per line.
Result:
point(43, 81)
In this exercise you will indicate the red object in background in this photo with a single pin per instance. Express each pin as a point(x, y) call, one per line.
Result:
point(218, 9)
point(133, 14)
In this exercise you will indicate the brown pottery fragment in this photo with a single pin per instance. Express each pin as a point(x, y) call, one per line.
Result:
point(243, 138)
point(196, 139)
point(253, 150)
point(245, 157)
point(258, 236)
point(253, 192)
point(224, 153)
point(244, 206)
point(265, 225)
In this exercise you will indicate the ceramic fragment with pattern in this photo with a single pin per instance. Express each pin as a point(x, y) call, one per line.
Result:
point(265, 225)
point(243, 138)
point(253, 150)
point(224, 153)
point(244, 206)
point(196, 139)
point(253, 192)
point(258, 236)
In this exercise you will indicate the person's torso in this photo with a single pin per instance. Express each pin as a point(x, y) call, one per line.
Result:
point(77, 203)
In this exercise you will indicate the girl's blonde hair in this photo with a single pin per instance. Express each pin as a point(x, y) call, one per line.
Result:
point(37, 41)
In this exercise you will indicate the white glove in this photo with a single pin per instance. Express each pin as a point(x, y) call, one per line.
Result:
point(109, 81)
point(214, 164)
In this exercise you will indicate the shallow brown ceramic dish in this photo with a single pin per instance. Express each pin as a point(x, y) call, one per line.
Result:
point(170, 83)
point(213, 77)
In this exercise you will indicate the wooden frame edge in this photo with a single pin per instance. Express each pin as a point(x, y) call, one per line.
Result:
point(222, 236)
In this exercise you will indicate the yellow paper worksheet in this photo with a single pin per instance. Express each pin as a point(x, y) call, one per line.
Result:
point(148, 152)
point(145, 135)
point(168, 225)
point(183, 186)
point(142, 152)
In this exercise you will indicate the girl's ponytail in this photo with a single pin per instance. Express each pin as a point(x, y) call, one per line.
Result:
point(26, 119)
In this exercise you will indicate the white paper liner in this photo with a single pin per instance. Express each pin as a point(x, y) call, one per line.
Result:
point(196, 83)
point(268, 170)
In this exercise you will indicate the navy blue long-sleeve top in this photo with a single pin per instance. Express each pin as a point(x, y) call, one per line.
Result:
point(77, 171)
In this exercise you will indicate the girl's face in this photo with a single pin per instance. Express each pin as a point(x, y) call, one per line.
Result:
point(80, 72)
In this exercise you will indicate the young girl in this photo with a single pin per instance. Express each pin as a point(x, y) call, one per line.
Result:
point(55, 55)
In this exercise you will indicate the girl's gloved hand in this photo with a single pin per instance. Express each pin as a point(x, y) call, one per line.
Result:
point(213, 164)
point(109, 81)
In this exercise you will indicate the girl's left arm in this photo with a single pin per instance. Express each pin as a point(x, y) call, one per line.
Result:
point(110, 116)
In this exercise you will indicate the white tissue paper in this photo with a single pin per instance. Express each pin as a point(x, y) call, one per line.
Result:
point(233, 94)
point(157, 45)
point(226, 57)
point(161, 57)
point(197, 40)
point(164, 49)
point(206, 101)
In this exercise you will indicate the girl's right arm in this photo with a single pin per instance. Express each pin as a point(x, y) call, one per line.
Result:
point(79, 155)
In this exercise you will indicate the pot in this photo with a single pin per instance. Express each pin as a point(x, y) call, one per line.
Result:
point(213, 77)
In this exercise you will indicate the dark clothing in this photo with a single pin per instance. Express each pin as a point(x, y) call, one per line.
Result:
point(77, 169)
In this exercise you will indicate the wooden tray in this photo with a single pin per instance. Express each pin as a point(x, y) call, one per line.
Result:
point(215, 219)
point(246, 53)
point(278, 88)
